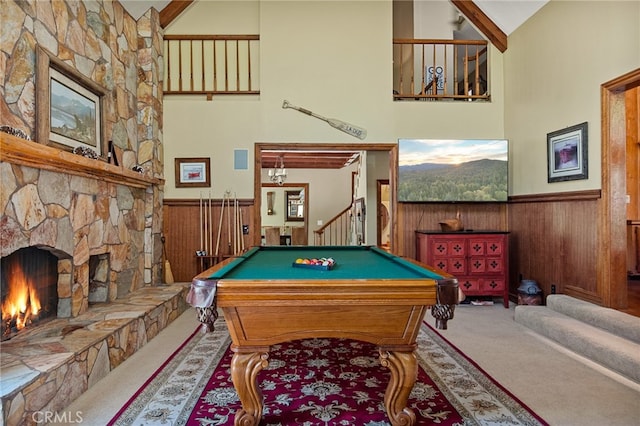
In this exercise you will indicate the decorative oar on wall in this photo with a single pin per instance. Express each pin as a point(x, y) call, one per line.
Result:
point(348, 128)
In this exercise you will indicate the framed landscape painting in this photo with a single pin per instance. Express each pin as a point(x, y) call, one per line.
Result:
point(567, 154)
point(69, 110)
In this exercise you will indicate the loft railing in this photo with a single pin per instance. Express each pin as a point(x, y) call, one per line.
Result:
point(212, 65)
point(429, 69)
point(336, 232)
point(424, 69)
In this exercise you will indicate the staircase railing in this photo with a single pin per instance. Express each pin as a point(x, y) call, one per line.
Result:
point(336, 232)
point(431, 69)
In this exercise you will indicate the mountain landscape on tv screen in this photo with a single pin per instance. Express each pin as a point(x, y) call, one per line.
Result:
point(480, 180)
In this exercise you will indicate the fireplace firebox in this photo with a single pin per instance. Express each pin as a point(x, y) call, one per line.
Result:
point(28, 279)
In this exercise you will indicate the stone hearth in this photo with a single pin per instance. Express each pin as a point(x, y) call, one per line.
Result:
point(44, 369)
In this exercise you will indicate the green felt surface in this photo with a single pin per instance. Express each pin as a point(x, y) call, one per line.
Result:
point(352, 262)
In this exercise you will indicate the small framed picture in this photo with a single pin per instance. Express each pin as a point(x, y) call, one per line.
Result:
point(567, 154)
point(193, 172)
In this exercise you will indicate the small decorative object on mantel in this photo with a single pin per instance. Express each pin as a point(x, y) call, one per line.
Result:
point(85, 152)
point(14, 132)
point(449, 225)
point(137, 168)
point(111, 155)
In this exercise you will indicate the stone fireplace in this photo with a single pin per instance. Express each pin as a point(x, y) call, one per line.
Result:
point(101, 221)
point(78, 219)
point(90, 231)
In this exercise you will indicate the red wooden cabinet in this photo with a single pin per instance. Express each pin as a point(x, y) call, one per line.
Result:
point(478, 259)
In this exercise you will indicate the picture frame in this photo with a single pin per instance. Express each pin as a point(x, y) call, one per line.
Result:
point(567, 153)
point(69, 106)
point(294, 206)
point(193, 172)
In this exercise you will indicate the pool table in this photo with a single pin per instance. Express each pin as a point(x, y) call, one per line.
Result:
point(369, 295)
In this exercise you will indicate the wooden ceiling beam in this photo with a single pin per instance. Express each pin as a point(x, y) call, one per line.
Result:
point(308, 159)
point(172, 10)
point(478, 18)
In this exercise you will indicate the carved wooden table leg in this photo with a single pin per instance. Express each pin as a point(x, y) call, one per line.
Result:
point(245, 367)
point(404, 372)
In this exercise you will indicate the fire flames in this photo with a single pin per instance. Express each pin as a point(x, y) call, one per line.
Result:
point(21, 304)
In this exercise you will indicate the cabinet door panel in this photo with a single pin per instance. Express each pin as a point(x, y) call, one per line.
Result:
point(477, 265)
point(469, 286)
point(491, 284)
point(495, 247)
point(451, 265)
point(445, 247)
point(495, 265)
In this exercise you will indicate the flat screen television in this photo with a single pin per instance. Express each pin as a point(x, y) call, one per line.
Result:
point(444, 170)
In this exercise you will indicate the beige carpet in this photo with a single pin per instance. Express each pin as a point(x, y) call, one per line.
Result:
point(562, 388)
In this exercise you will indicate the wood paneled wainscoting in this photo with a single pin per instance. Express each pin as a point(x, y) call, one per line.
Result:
point(181, 229)
point(554, 240)
point(426, 216)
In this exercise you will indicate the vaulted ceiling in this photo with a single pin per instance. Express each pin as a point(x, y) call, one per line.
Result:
point(507, 15)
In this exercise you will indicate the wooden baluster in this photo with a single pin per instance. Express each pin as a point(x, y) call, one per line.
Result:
point(226, 66)
point(434, 79)
point(477, 92)
point(249, 64)
point(180, 66)
point(191, 65)
point(202, 67)
point(423, 80)
point(401, 83)
point(168, 50)
point(455, 69)
point(237, 65)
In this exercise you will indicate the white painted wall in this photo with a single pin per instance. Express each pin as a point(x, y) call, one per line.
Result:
point(554, 66)
point(332, 57)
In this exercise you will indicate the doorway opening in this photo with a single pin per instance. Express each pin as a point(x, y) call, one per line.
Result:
point(262, 151)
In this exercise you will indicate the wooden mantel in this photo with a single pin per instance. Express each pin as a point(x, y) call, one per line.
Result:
point(28, 153)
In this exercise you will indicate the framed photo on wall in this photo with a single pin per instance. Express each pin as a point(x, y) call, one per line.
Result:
point(193, 172)
point(69, 106)
point(567, 154)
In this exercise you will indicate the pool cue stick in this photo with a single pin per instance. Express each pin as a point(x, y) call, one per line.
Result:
point(241, 233)
point(236, 244)
point(229, 219)
point(206, 219)
point(204, 226)
point(201, 234)
point(210, 250)
point(220, 227)
point(238, 229)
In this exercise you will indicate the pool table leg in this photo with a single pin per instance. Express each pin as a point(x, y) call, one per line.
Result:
point(245, 366)
point(404, 372)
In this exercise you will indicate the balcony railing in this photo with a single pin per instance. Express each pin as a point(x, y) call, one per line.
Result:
point(424, 69)
point(212, 65)
point(428, 69)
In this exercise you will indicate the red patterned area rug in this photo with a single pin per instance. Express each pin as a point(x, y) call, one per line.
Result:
point(321, 382)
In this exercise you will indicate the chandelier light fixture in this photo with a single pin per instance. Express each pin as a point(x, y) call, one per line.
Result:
point(278, 174)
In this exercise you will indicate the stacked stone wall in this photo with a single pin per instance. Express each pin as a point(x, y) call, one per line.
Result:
point(80, 215)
